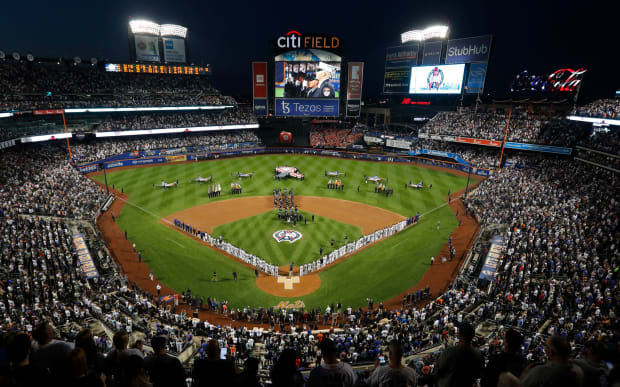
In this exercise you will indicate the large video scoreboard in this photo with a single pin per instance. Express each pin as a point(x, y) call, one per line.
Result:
point(437, 67)
point(156, 69)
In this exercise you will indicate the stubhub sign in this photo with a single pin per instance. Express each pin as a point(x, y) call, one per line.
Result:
point(307, 107)
point(469, 50)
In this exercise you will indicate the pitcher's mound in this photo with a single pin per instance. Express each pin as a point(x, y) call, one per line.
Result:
point(285, 286)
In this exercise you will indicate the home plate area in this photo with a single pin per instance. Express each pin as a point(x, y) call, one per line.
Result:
point(288, 281)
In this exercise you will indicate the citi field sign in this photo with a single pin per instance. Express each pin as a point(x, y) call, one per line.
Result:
point(295, 40)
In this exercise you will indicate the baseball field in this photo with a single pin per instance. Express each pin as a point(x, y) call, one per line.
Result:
point(249, 221)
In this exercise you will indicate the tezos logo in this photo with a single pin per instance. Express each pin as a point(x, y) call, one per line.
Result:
point(285, 108)
point(289, 236)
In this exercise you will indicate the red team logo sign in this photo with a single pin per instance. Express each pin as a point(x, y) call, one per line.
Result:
point(289, 236)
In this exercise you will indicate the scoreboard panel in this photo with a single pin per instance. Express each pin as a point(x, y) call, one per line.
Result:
point(136, 68)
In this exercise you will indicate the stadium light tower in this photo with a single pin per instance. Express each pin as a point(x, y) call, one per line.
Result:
point(173, 30)
point(144, 27)
point(432, 32)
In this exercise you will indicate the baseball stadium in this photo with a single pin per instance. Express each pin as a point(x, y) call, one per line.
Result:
point(160, 228)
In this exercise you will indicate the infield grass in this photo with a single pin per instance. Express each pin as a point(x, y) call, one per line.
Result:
point(255, 235)
point(380, 271)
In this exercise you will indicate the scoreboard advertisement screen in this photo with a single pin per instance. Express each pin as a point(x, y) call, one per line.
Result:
point(156, 69)
point(443, 79)
point(307, 83)
point(147, 48)
point(398, 63)
point(174, 50)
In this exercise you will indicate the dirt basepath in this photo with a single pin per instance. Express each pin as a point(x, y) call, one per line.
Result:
point(206, 217)
point(440, 275)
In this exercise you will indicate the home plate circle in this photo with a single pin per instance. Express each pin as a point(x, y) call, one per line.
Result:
point(289, 236)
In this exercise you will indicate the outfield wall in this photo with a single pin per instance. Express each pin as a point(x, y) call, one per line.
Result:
point(137, 160)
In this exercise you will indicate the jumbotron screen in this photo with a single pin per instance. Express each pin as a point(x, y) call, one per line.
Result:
point(441, 79)
point(312, 79)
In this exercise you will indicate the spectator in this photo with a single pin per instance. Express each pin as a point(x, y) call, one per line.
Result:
point(332, 372)
point(395, 373)
point(593, 366)
point(94, 360)
point(214, 371)
point(557, 371)
point(462, 364)
point(285, 372)
point(249, 376)
point(21, 372)
point(163, 369)
point(509, 360)
point(76, 371)
point(49, 353)
point(136, 372)
point(116, 360)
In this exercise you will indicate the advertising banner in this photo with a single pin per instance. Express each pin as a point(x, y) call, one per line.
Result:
point(176, 159)
point(307, 107)
point(469, 50)
point(402, 56)
point(356, 74)
point(174, 50)
point(476, 77)
point(7, 144)
point(400, 144)
point(539, 148)
point(478, 141)
point(47, 112)
point(86, 261)
point(259, 79)
point(398, 63)
point(260, 107)
point(259, 88)
point(432, 53)
point(147, 48)
point(441, 79)
point(489, 268)
point(354, 108)
point(396, 80)
point(431, 152)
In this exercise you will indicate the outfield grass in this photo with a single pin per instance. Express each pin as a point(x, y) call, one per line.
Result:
point(255, 235)
point(381, 271)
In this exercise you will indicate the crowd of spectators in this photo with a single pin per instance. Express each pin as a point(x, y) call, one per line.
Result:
point(333, 137)
point(40, 181)
point(603, 108)
point(556, 284)
point(480, 157)
point(177, 120)
point(28, 86)
point(98, 150)
point(523, 127)
point(608, 142)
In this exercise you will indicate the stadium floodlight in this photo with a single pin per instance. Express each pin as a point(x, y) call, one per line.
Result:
point(173, 30)
point(174, 130)
point(432, 32)
point(2, 55)
point(147, 109)
point(144, 27)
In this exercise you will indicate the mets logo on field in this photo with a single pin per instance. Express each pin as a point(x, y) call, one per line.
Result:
point(289, 236)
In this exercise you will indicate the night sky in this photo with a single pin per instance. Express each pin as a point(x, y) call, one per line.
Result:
point(535, 35)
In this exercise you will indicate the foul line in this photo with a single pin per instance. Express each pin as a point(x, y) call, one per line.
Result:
point(434, 209)
point(146, 211)
point(175, 242)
